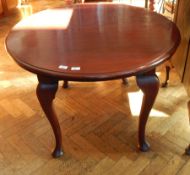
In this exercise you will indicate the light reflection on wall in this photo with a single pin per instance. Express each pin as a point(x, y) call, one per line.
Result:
point(135, 101)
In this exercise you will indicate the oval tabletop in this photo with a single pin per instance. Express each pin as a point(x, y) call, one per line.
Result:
point(92, 42)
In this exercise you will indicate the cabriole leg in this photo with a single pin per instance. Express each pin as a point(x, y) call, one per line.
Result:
point(65, 84)
point(46, 91)
point(149, 84)
point(165, 84)
point(125, 81)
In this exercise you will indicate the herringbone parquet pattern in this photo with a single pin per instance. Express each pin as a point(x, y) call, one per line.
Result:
point(99, 128)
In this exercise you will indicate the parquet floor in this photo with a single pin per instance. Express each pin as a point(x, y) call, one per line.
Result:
point(98, 120)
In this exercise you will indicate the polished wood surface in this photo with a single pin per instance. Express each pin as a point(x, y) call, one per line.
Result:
point(181, 58)
point(149, 84)
point(101, 40)
point(46, 91)
point(182, 19)
point(117, 48)
point(186, 80)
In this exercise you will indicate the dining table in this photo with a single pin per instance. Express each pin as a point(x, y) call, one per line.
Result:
point(93, 42)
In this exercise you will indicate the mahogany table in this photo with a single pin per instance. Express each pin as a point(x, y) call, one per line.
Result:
point(93, 42)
